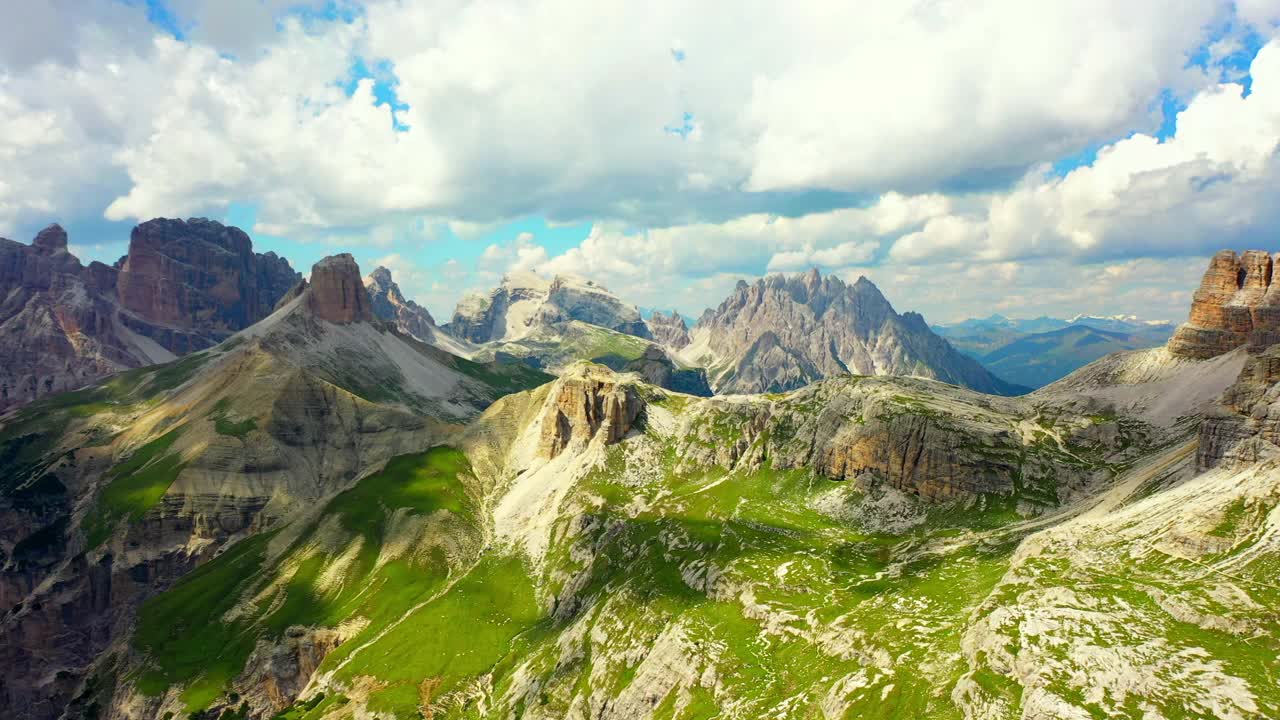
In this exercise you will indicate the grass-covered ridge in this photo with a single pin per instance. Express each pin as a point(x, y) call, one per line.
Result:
point(386, 545)
point(134, 486)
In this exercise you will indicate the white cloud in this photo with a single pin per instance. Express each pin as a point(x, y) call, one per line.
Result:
point(559, 109)
point(521, 254)
point(1211, 185)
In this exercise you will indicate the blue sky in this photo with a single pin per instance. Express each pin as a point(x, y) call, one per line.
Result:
point(1068, 158)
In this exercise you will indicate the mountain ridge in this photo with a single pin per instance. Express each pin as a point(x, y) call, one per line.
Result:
point(182, 287)
point(812, 326)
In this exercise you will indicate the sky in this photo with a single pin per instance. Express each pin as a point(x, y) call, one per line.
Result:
point(968, 156)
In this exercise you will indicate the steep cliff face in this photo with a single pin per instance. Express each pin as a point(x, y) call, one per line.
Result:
point(586, 404)
point(919, 437)
point(184, 286)
point(390, 305)
point(58, 321)
point(336, 293)
point(783, 332)
point(668, 330)
point(193, 282)
point(526, 302)
point(1235, 299)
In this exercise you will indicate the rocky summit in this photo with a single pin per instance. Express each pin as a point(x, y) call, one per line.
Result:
point(336, 293)
point(668, 330)
point(1236, 302)
point(183, 286)
point(525, 302)
point(785, 331)
point(325, 517)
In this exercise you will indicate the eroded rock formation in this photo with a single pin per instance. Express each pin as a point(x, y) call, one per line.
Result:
point(390, 305)
point(1236, 298)
point(336, 293)
point(183, 286)
point(585, 404)
point(198, 276)
point(668, 330)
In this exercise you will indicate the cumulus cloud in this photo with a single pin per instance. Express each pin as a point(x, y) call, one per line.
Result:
point(575, 124)
point(520, 255)
point(1208, 186)
point(900, 139)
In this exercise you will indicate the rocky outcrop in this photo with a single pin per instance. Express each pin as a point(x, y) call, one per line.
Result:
point(390, 305)
point(587, 403)
point(526, 302)
point(925, 439)
point(1234, 300)
point(1246, 429)
point(336, 292)
point(184, 286)
point(191, 283)
point(58, 321)
point(668, 330)
point(783, 332)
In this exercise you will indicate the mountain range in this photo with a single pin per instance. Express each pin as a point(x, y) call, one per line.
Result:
point(1035, 352)
point(183, 286)
point(342, 510)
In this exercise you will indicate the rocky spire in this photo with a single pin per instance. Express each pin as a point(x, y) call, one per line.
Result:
point(336, 292)
point(669, 330)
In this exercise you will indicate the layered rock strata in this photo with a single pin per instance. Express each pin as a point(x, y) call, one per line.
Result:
point(1236, 300)
point(588, 404)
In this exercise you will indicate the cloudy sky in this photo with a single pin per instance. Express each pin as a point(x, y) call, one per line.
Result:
point(969, 156)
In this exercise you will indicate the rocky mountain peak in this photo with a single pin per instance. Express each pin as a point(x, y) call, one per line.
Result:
point(785, 331)
point(336, 292)
point(668, 330)
point(1237, 303)
point(51, 239)
point(525, 301)
point(188, 284)
point(390, 305)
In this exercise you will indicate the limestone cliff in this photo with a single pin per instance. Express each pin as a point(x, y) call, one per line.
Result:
point(783, 332)
point(390, 305)
point(586, 404)
point(336, 293)
point(525, 302)
point(668, 330)
point(1235, 299)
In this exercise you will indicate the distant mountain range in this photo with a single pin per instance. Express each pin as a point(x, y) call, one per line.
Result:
point(1037, 351)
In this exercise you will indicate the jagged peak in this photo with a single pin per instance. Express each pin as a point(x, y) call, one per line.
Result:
point(51, 239)
point(381, 275)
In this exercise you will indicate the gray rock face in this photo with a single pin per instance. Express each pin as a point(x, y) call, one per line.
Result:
point(668, 330)
point(58, 321)
point(390, 305)
point(783, 332)
point(657, 368)
point(525, 302)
